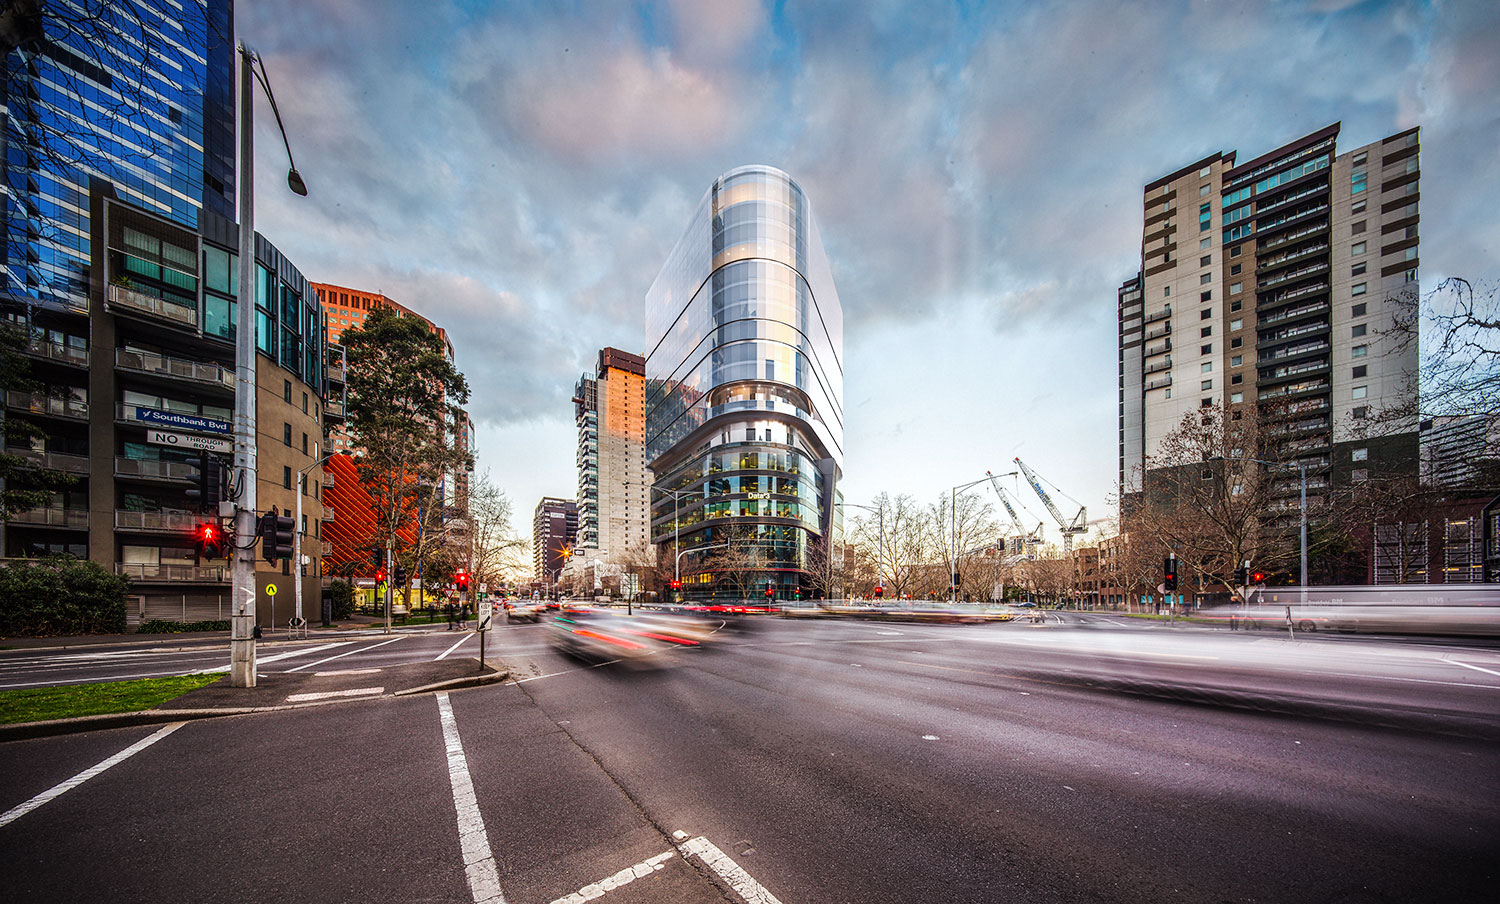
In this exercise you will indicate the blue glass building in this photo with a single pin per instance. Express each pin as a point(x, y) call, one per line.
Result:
point(140, 96)
point(744, 390)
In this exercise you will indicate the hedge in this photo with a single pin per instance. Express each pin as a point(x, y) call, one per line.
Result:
point(160, 626)
point(60, 595)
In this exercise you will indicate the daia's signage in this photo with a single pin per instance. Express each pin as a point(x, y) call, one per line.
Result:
point(189, 441)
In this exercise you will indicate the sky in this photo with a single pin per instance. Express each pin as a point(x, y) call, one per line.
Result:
point(518, 172)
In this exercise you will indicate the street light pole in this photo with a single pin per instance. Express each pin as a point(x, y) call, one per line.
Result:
point(242, 574)
point(879, 541)
point(953, 535)
point(676, 533)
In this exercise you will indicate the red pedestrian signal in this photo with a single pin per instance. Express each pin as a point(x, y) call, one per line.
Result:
point(380, 575)
point(463, 581)
point(676, 584)
point(769, 592)
point(207, 539)
point(1258, 577)
point(879, 591)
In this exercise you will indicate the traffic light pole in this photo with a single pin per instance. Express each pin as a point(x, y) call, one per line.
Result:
point(242, 575)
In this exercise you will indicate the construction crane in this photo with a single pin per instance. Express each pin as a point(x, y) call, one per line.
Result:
point(1079, 523)
point(1027, 541)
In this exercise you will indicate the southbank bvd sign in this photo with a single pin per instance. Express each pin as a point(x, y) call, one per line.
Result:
point(184, 421)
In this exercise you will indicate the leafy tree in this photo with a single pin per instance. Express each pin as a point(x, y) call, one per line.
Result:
point(404, 398)
point(342, 595)
point(60, 595)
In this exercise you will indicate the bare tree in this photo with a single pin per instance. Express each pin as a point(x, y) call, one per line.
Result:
point(960, 527)
point(499, 554)
point(897, 537)
point(1460, 367)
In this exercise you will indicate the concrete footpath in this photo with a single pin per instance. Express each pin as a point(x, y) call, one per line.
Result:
point(280, 691)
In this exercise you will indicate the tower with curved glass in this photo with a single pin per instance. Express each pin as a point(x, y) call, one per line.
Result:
point(744, 393)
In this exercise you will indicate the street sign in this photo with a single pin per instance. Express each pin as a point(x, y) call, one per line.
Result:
point(270, 590)
point(486, 614)
point(189, 441)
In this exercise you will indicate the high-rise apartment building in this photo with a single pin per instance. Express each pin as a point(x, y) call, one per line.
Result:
point(744, 390)
point(554, 527)
point(609, 407)
point(140, 95)
point(1277, 282)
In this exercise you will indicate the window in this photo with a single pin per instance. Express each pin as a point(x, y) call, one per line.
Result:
point(1357, 228)
point(304, 403)
point(1237, 360)
point(1235, 270)
point(1205, 332)
point(1205, 260)
point(1360, 371)
point(286, 390)
point(1166, 290)
point(1361, 392)
point(1357, 269)
point(1236, 380)
point(1357, 206)
point(1235, 288)
point(1169, 392)
point(1362, 454)
point(286, 477)
point(1235, 306)
point(1236, 397)
point(1236, 324)
point(1359, 351)
point(304, 444)
point(1358, 288)
point(1236, 342)
point(1361, 157)
point(1203, 190)
point(1206, 403)
point(1358, 247)
point(1361, 412)
point(1206, 296)
point(1207, 367)
point(1207, 385)
point(1357, 181)
point(1204, 243)
point(1206, 349)
point(1358, 310)
point(1359, 475)
point(1235, 251)
point(1205, 279)
point(1205, 313)
point(286, 434)
point(1410, 254)
point(1356, 331)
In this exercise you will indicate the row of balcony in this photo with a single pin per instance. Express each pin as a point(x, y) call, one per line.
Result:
point(1296, 370)
point(197, 371)
point(1294, 389)
point(1293, 294)
point(1288, 276)
point(39, 403)
point(1293, 254)
point(1293, 351)
point(156, 308)
point(1292, 333)
point(1317, 189)
point(1318, 308)
point(1285, 239)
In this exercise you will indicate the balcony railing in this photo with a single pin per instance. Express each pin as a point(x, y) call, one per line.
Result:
point(140, 571)
point(1159, 332)
point(36, 403)
point(1159, 350)
point(125, 297)
point(1271, 263)
point(55, 461)
point(1294, 332)
point(152, 468)
point(1295, 293)
point(51, 516)
point(1294, 351)
point(1294, 389)
point(170, 520)
point(1318, 308)
point(1159, 366)
point(1316, 267)
point(335, 373)
point(1160, 382)
point(1282, 241)
point(152, 363)
point(57, 351)
point(333, 409)
point(1159, 315)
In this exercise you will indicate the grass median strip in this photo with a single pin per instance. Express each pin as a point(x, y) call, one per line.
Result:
point(65, 702)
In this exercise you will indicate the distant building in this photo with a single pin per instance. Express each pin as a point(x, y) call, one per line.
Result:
point(1275, 282)
point(609, 407)
point(1456, 450)
point(744, 390)
point(554, 527)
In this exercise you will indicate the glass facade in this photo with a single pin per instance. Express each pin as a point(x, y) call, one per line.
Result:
point(744, 388)
point(162, 133)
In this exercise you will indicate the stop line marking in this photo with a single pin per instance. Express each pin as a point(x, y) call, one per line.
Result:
point(624, 877)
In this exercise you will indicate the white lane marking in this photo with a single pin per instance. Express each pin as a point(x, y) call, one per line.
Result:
point(452, 648)
point(473, 841)
point(565, 671)
point(260, 661)
point(349, 653)
point(1474, 667)
point(346, 672)
point(624, 877)
point(11, 815)
point(739, 880)
point(929, 737)
point(328, 695)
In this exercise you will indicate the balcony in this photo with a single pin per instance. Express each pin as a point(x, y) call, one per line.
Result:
point(1294, 351)
point(50, 516)
point(1159, 315)
point(335, 373)
point(1282, 373)
point(1293, 333)
point(1290, 256)
point(171, 520)
point(1317, 189)
point(1158, 366)
point(54, 461)
point(1288, 276)
point(1303, 311)
point(172, 574)
point(36, 403)
point(333, 409)
point(1294, 390)
point(128, 299)
point(151, 363)
point(1159, 332)
point(1282, 241)
point(1159, 349)
point(1160, 382)
point(151, 469)
point(57, 351)
point(1294, 294)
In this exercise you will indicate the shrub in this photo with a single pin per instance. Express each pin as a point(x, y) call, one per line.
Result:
point(159, 626)
point(342, 595)
point(60, 595)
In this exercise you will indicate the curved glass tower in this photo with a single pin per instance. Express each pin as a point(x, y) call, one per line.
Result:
point(744, 391)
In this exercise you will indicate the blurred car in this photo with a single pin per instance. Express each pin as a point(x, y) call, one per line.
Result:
point(597, 634)
point(522, 612)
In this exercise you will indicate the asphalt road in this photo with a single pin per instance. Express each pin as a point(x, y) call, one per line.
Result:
point(822, 762)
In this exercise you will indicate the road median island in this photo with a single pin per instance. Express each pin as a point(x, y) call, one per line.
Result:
point(272, 693)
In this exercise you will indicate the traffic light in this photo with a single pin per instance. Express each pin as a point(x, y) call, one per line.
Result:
point(1258, 577)
point(1241, 576)
point(380, 575)
point(769, 592)
point(676, 584)
point(276, 535)
point(462, 580)
point(213, 483)
point(400, 575)
point(207, 541)
point(879, 591)
point(1169, 568)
